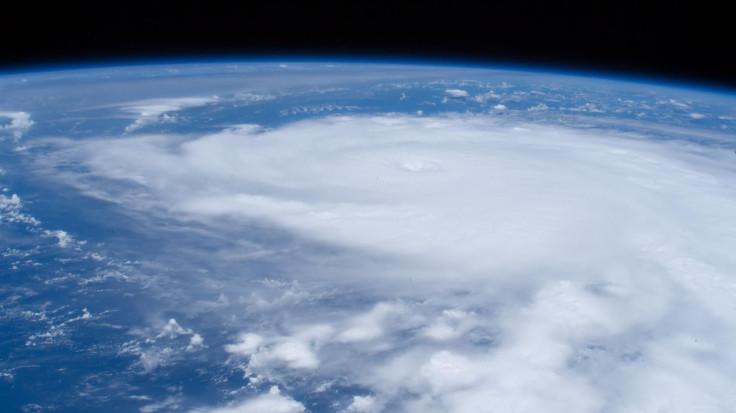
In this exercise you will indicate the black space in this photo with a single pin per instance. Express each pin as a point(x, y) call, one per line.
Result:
point(684, 43)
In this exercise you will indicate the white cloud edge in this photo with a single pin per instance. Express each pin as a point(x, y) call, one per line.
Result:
point(20, 123)
point(456, 93)
point(271, 402)
point(153, 111)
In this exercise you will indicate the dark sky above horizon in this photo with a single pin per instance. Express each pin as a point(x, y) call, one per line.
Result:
point(633, 38)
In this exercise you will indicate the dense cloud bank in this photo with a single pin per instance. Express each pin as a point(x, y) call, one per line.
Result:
point(514, 267)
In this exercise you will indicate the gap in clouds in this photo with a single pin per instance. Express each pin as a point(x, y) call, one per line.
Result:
point(523, 263)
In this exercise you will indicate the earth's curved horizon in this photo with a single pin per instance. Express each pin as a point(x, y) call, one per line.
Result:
point(297, 236)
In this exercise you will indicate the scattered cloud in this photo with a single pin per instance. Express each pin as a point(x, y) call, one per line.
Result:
point(159, 346)
point(152, 358)
point(538, 108)
point(10, 211)
point(195, 342)
point(170, 403)
point(587, 107)
point(154, 111)
point(456, 93)
point(20, 123)
point(484, 97)
point(318, 109)
point(297, 350)
point(249, 97)
point(249, 343)
point(271, 402)
point(65, 240)
point(172, 329)
point(365, 404)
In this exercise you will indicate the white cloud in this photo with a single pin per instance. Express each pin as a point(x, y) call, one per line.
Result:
point(452, 324)
point(10, 211)
point(483, 97)
point(20, 123)
point(85, 316)
point(403, 215)
point(10, 203)
point(249, 344)
point(296, 354)
point(513, 266)
point(170, 403)
point(446, 371)
point(323, 387)
point(195, 342)
point(271, 402)
point(587, 107)
point(295, 351)
point(152, 358)
point(456, 93)
point(65, 240)
point(154, 111)
point(253, 97)
point(172, 329)
point(365, 404)
point(369, 326)
point(538, 108)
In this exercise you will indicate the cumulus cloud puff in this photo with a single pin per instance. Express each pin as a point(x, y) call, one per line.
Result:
point(19, 124)
point(11, 209)
point(524, 267)
point(172, 329)
point(296, 350)
point(362, 404)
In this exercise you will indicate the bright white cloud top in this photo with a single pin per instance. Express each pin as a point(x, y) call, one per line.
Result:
point(479, 246)
point(601, 262)
point(19, 123)
point(456, 93)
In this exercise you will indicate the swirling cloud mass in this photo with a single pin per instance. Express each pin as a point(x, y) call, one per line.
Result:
point(473, 264)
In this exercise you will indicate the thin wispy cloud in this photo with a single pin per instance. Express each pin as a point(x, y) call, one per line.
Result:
point(272, 402)
point(154, 111)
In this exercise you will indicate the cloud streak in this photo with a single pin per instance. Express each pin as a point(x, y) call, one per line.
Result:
point(272, 402)
point(154, 111)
